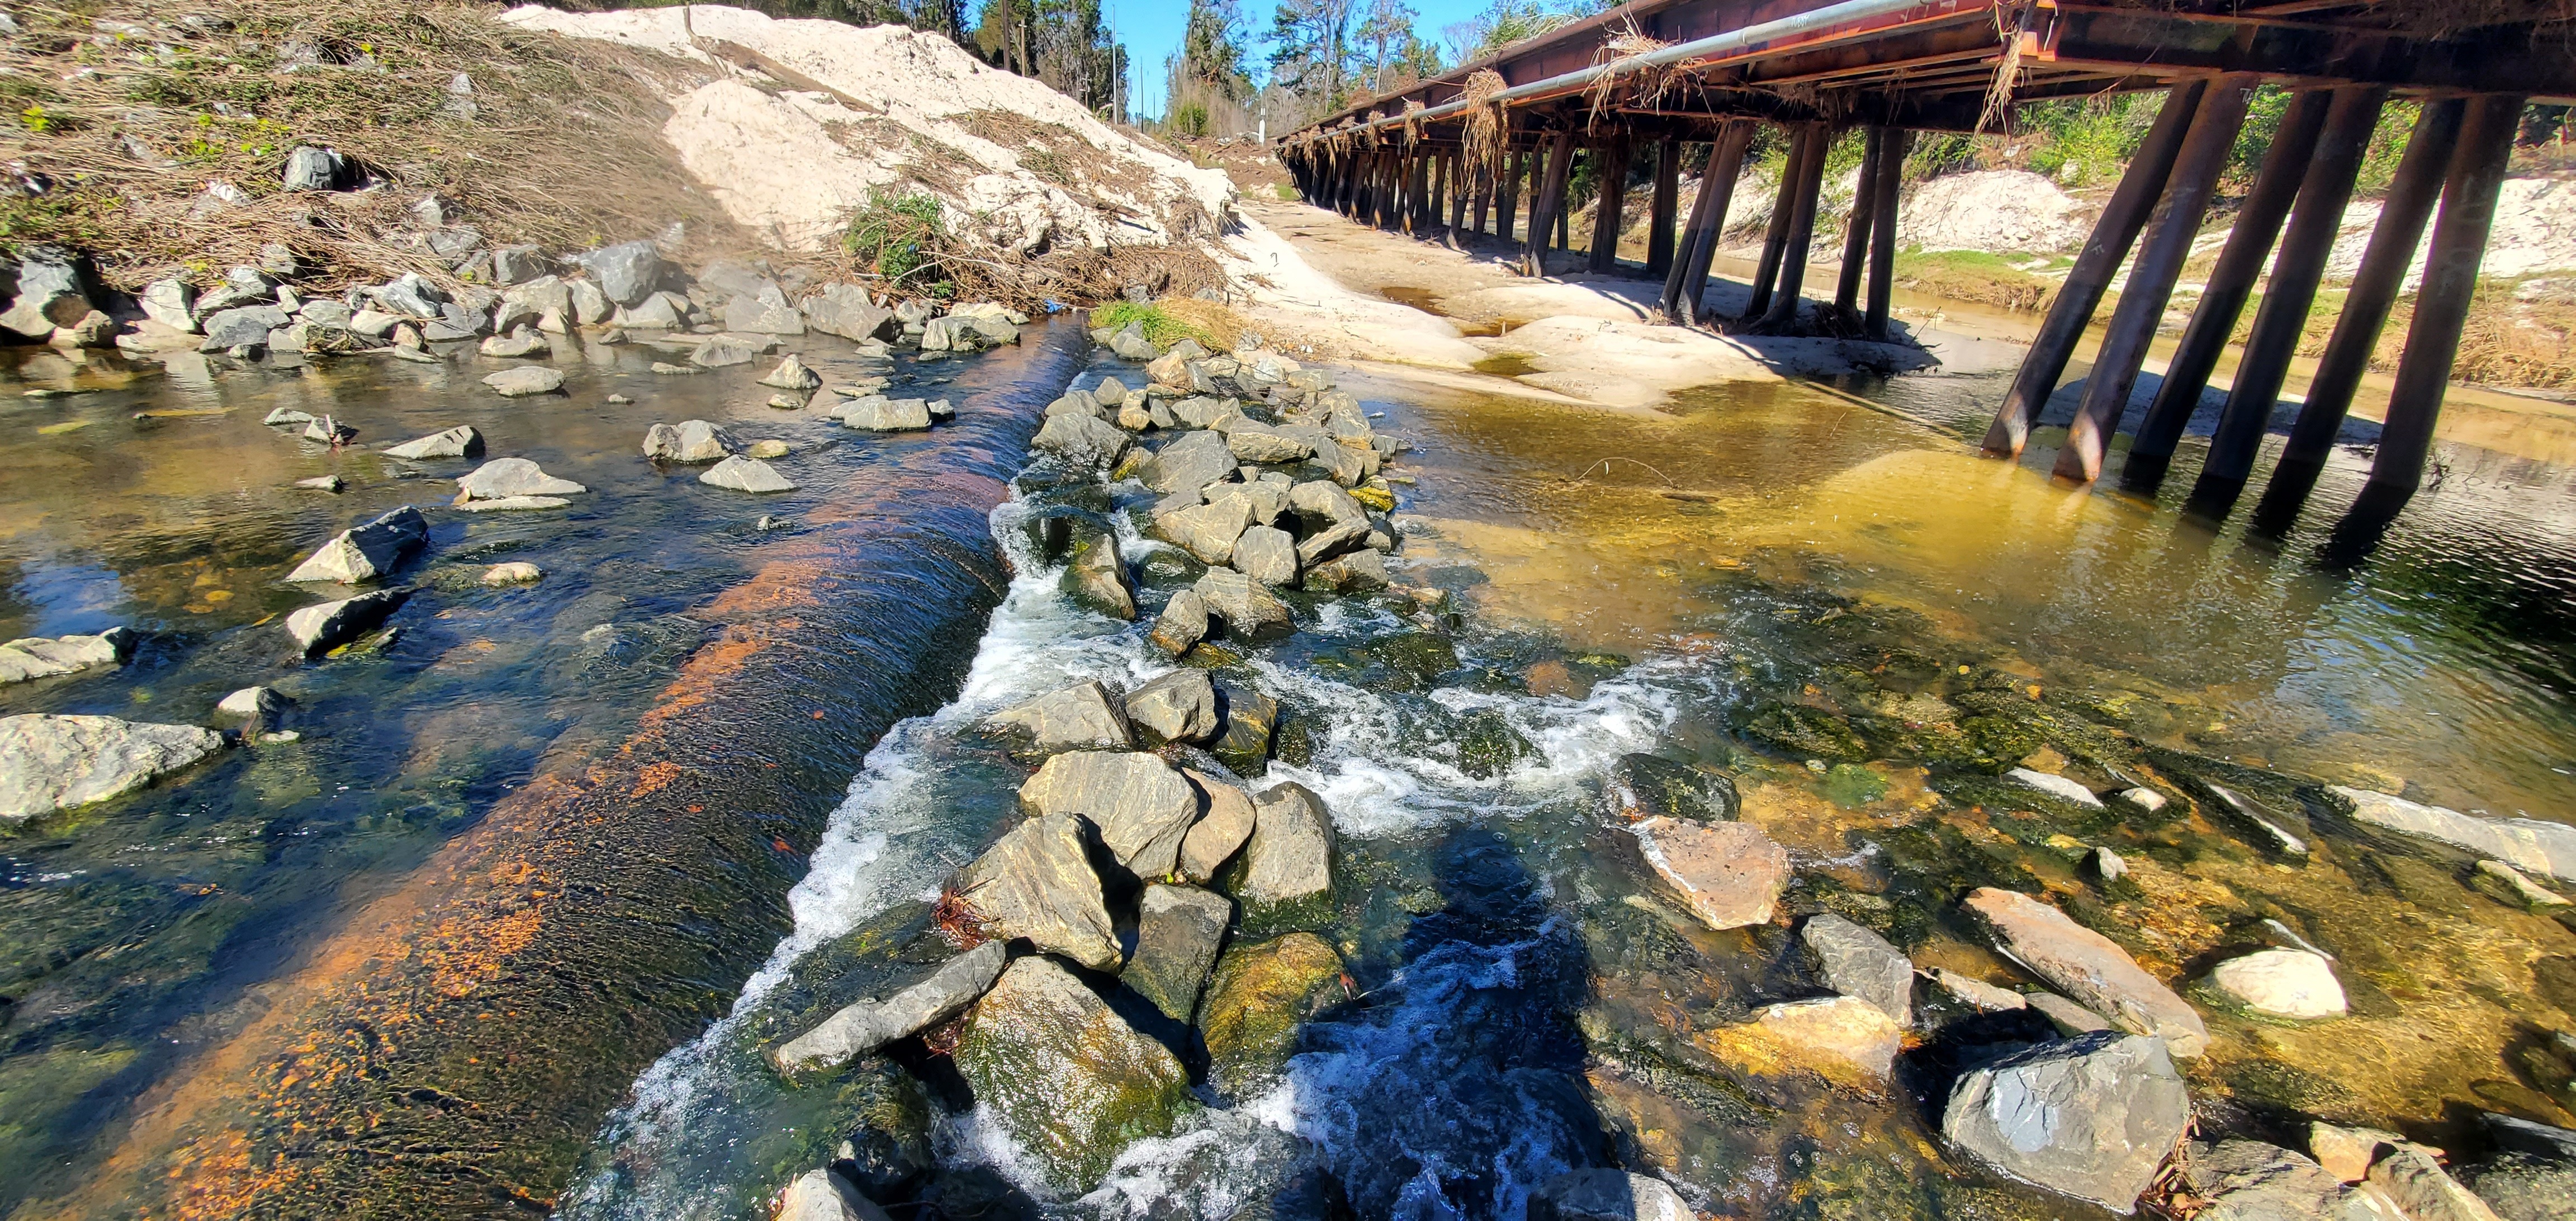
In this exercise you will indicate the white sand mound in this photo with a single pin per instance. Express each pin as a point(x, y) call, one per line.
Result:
point(819, 116)
point(1995, 210)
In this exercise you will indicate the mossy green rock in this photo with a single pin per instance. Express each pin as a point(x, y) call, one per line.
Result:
point(1488, 746)
point(1255, 1001)
point(1806, 732)
point(1068, 1078)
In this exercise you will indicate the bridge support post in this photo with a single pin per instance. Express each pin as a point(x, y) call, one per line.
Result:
point(2103, 252)
point(1667, 203)
point(1856, 231)
point(1549, 203)
point(1390, 190)
point(1508, 192)
point(1766, 272)
point(1416, 178)
point(1611, 164)
point(1783, 314)
point(2151, 279)
point(1458, 187)
point(1689, 281)
point(2231, 283)
point(2442, 303)
point(1882, 232)
point(2282, 318)
point(1483, 178)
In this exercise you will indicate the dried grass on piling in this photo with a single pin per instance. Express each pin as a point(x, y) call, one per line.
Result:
point(1645, 85)
point(1485, 122)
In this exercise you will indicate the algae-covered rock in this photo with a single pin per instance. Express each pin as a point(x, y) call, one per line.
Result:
point(1256, 1000)
point(1640, 787)
point(1488, 746)
point(1844, 1039)
point(1806, 732)
point(1096, 575)
point(1250, 719)
point(1068, 1078)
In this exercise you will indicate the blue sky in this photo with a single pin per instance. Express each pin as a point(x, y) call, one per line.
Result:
point(1151, 29)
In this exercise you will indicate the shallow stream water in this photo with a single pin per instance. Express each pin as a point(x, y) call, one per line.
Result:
point(1723, 582)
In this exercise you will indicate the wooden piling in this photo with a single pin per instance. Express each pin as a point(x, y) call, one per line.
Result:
point(1766, 271)
point(2151, 279)
point(2281, 321)
point(1549, 204)
point(2072, 311)
point(2442, 301)
point(1483, 177)
point(1507, 194)
point(1667, 200)
point(1457, 195)
point(1882, 233)
point(1783, 314)
point(2375, 285)
point(1856, 230)
point(1612, 175)
point(2231, 283)
point(1689, 279)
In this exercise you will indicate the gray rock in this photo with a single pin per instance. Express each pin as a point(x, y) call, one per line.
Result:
point(1256, 1001)
point(2528, 844)
point(2282, 983)
point(50, 763)
point(1082, 441)
point(328, 431)
point(2092, 1117)
point(2522, 1187)
point(2088, 968)
point(1178, 707)
point(1257, 444)
point(1178, 932)
point(1140, 806)
point(1189, 464)
point(2408, 1175)
point(244, 324)
point(513, 477)
point(1357, 572)
point(525, 381)
point(791, 374)
point(844, 310)
point(411, 295)
point(320, 628)
point(1110, 392)
point(756, 316)
point(590, 307)
point(1247, 607)
point(1250, 719)
point(1095, 575)
point(914, 311)
point(315, 169)
point(2055, 786)
point(690, 441)
point(1730, 873)
point(252, 704)
point(458, 442)
point(1226, 818)
point(1080, 717)
point(1183, 623)
point(1606, 1194)
point(522, 340)
point(823, 1195)
point(35, 657)
point(1977, 993)
point(658, 312)
point(877, 413)
point(1641, 786)
point(1075, 402)
point(1290, 856)
point(367, 552)
point(2248, 1180)
point(2267, 824)
point(859, 1029)
point(517, 264)
point(952, 334)
point(2069, 1018)
point(1858, 962)
point(511, 504)
point(2524, 1136)
point(1207, 531)
point(1036, 882)
point(326, 313)
point(171, 302)
point(722, 351)
point(625, 272)
point(743, 474)
point(1266, 555)
point(1065, 1076)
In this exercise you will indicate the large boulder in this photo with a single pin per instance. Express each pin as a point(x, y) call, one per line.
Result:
point(2087, 968)
point(1226, 818)
point(1604, 1193)
point(1082, 441)
point(1207, 531)
point(458, 442)
point(1290, 856)
point(368, 552)
point(50, 763)
point(844, 310)
point(1183, 623)
point(503, 477)
point(2090, 1117)
point(1189, 464)
point(1858, 962)
point(1141, 807)
point(763, 315)
point(1246, 607)
point(1266, 555)
point(2282, 983)
point(625, 272)
point(1081, 717)
point(1250, 720)
point(858, 1029)
point(1730, 873)
point(1065, 1076)
point(1178, 932)
point(241, 325)
point(1178, 707)
point(877, 413)
point(1844, 1039)
point(1095, 575)
point(1639, 787)
point(1036, 882)
point(2529, 844)
point(47, 656)
point(1256, 1000)
point(323, 627)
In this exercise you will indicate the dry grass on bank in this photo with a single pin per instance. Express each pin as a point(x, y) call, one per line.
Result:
point(130, 113)
point(2516, 338)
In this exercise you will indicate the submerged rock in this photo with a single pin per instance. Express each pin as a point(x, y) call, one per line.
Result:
point(1178, 932)
point(1178, 707)
point(365, 553)
point(317, 629)
point(2528, 844)
point(2087, 967)
point(1256, 1000)
point(1226, 818)
point(1069, 1079)
point(50, 762)
point(1976, 993)
point(2055, 786)
point(1860, 963)
point(1844, 1039)
point(2282, 983)
point(1080, 717)
point(2091, 1117)
point(1640, 787)
point(1604, 1194)
point(1141, 807)
point(858, 1029)
point(1036, 882)
point(2408, 1175)
point(1290, 856)
point(47, 656)
point(513, 572)
point(1730, 873)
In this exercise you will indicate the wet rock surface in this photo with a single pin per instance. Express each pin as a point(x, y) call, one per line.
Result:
point(1067, 1077)
point(50, 762)
point(1730, 874)
point(1036, 882)
point(2091, 1117)
point(2089, 968)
